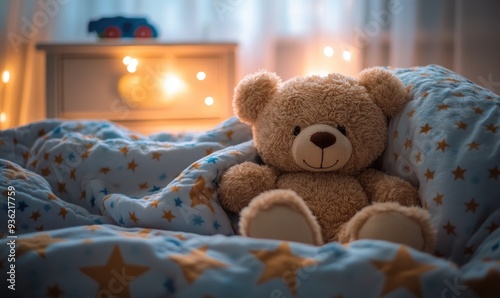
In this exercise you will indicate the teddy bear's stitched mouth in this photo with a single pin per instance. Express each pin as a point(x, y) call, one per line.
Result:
point(320, 168)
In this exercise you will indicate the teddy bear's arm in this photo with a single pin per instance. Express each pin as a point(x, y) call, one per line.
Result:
point(242, 182)
point(381, 187)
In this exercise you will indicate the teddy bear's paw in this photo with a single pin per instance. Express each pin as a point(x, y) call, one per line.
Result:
point(281, 215)
point(242, 182)
point(395, 223)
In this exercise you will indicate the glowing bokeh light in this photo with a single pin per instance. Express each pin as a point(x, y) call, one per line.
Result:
point(172, 84)
point(131, 68)
point(209, 100)
point(6, 76)
point(126, 60)
point(347, 55)
point(201, 75)
point(328, 51)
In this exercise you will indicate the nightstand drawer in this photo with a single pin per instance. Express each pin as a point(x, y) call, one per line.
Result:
point(171, 85)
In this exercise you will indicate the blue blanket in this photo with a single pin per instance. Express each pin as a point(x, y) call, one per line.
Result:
point(92, 209)
point(79, 173)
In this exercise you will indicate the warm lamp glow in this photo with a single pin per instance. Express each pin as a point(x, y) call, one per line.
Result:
point(201, 75)
point(347, 55)
point(130, 88)
point(172, 84)
point(3, 117)
point(209, 100)
point(6, 76)
point(328, 51)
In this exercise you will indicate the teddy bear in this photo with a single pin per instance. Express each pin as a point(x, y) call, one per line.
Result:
point(318, 138)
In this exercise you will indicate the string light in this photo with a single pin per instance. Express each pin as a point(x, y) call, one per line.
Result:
point(6, 76)
point(201, 75)
point(328, 51)
point(131, 68)
point(5, 80)
point(131, 63)
point(209, 100)
point(126, 60)
point(347, 55)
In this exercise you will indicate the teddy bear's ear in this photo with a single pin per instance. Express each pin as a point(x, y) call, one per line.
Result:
point(386, 89)
point(253, 93)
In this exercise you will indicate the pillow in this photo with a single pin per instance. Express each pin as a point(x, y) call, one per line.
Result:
point(447, 142)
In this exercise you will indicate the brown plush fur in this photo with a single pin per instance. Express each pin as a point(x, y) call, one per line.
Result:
point(249, 180)
point(326, 118)
point(385, 89)
point(383, 188)
point(253, 93)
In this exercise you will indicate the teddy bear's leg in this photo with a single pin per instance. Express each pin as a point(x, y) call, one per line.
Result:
point(392, 222)
point(280, 214)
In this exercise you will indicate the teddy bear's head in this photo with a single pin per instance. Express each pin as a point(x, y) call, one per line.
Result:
point(319, 124)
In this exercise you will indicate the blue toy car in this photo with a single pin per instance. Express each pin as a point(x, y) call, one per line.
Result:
point(117, 27)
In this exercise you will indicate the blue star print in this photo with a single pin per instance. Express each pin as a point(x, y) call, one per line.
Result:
point(216, 225)
point(212, 159)
point(154, 189)
point(198, 221)
point(71, 156)
point(22, 205)
point(169, 285)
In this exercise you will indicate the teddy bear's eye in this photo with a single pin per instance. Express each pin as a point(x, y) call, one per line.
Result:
point(296, 130)
point(342, 129)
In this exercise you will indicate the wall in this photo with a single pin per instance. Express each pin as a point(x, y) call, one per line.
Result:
point(479, 41)
point(286, 36)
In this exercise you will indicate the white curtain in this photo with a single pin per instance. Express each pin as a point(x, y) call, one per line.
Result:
point(291, 37)
point(406, 33)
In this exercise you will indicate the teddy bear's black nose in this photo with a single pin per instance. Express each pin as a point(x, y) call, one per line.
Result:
point(323, 139)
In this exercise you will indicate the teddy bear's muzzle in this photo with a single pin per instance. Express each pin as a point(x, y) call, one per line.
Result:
point(321, 148)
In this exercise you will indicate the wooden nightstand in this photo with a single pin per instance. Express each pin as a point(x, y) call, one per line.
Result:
point(174, 86)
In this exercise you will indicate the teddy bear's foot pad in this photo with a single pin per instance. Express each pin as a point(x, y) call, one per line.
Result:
point(395, 223)
point(280, 215)
point(394, 227)
point(281, 223)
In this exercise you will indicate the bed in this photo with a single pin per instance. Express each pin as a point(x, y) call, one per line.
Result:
point(90, 209)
